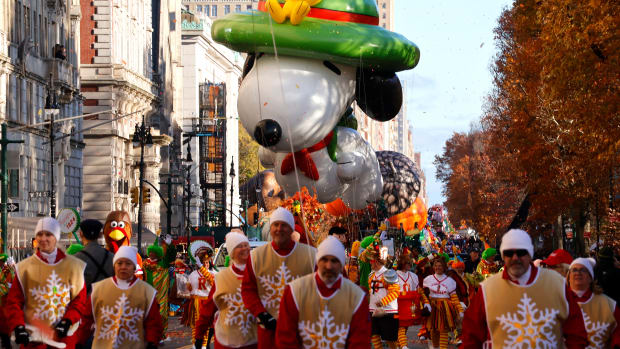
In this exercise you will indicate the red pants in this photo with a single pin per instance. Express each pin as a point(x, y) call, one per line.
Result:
point(266, 338)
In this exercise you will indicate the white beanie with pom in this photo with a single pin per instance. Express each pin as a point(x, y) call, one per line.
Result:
point(127, 252)
point(331, 246)
point(589, 263)
point(233, 239)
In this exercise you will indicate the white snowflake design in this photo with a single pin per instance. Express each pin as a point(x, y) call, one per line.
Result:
point(323, 334)
point(119, 322)
point(238, 314)
point(274, 287)
point(530, 327)
point(52, 299)
point(596, 331)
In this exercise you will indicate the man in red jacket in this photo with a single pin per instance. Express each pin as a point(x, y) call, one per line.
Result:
point(270, 268)
point(324, 309)
point(523, 304)
point(48, 292)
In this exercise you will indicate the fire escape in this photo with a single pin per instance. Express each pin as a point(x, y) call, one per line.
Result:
point(211, 133)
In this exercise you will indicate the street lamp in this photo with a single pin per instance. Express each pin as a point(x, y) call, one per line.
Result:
point(141, 136)
point(187, 163)
point(51, 110)
point(232, 187)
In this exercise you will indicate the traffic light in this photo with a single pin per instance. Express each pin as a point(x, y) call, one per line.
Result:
point(146, 195)
point(135, 195)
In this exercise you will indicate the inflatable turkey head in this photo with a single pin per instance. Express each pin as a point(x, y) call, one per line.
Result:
point(117, 230)
point(300, 76)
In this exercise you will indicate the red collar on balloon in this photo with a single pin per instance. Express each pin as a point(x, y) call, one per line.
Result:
point(304, 160)
point(333, 15)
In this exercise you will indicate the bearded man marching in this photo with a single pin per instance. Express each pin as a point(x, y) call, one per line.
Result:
point(48, 290)
point(324, 307)
point(269, 269)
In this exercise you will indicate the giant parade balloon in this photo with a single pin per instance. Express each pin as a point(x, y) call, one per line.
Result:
point(416, 213)
point(401, 181)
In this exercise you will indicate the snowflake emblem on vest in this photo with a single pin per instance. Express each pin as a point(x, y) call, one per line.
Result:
point(530, 327)
point(274, 287)
point(324, 333)
point(596, 331)
point(238, 314)
point(120, 322)
point(52, 299)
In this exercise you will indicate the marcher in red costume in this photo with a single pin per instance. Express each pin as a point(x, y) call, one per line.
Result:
point(269, 269)
point(48, 293)
point(324, 295)
point(494, 314)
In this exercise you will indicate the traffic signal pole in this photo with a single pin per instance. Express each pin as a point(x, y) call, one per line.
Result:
point(5, 187)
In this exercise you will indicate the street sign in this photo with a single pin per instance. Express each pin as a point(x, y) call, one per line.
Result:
point(12, 207)
point(38, 194)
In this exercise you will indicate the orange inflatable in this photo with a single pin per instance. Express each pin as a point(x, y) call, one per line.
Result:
point(338, 208)
point(416, 213)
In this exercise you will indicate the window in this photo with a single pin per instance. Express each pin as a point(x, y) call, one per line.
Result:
point(237, 8)
point(214, 11)
point(208, 9)
point(383, 5)
point(199, 8)
point(13, 183)
point(249, 7)
point(226, 9)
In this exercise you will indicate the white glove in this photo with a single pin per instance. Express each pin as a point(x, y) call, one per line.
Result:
point(463, 306)
point(168, 239)
point(428, 307)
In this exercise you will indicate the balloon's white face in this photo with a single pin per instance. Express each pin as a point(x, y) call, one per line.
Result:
point(301, 99)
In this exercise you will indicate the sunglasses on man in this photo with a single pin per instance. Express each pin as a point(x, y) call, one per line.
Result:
point(510, 253)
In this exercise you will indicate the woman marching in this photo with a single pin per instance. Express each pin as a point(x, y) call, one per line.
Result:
point(601, 314)
point(445, 307)
point(410, 298)
point(235, 326)
point(200, 281)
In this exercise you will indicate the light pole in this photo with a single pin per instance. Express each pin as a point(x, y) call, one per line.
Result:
point(232, 187)
point(141, 136)
point(51, 110)
point(187, 163)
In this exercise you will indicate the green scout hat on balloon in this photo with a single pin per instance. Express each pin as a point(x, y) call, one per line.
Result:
point(342, 31)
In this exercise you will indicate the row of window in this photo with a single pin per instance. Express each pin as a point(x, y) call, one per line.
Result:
point(211, 10)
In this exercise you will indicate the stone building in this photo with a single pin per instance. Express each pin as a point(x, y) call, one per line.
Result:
point(39, 45)
point(207, 66)
point(219, 8)
point(130, 65)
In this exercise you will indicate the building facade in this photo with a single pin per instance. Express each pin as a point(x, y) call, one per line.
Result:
point(211, 75)
point(39, 55)
point(130, 65)
point(218, 8)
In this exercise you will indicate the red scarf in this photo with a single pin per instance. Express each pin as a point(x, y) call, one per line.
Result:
point(303, 159)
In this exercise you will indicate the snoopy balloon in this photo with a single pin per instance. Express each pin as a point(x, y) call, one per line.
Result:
point(301, 75)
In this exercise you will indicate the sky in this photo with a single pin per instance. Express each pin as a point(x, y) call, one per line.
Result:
point(447, 90)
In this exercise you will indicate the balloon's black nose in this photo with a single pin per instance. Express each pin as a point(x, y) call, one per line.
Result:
point(268, 133)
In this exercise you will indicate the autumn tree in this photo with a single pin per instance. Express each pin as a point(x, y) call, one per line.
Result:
point(249, 165)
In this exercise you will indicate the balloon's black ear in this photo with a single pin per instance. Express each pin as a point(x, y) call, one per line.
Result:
point(378, 94)
point(249, 64)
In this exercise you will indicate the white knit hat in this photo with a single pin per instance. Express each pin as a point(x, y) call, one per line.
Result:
point(233, 239)
point(128, 252)
point(282, 215)
point(589, 263)
point(48, 224)
point(517, 239)
point(331, 246)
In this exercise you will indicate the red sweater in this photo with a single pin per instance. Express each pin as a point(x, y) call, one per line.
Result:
point(249, 285)
point(14, 309)
point(153, 325)
point(476, 330)
point(287, 335)
point(615, 335)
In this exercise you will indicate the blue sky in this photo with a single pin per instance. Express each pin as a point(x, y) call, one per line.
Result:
point(447, 90)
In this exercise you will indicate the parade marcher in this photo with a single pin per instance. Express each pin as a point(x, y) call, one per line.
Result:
point(445, 307)
point(352, 269)
point(98, 260)
point(324, 309)
point(520, 298)
point(339, 233)
point(559, 260)
point(235, 326)
point(157, 274)
point(463, 290)
point(200, 282)
point(383, 304)
point(7, 274)
point(409, 300)
point(471, 264)
point(487, 265)
point(601, 314)
point(269, 269)
point(48, 290)
point(123, 308)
